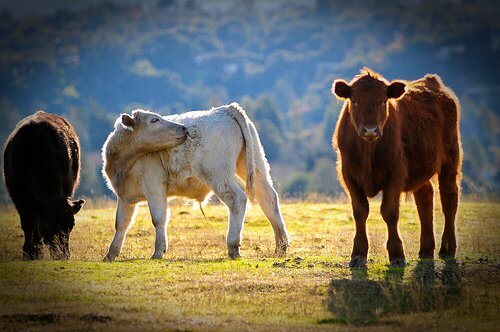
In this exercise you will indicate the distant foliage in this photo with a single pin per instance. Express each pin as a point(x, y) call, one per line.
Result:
point(276, 58)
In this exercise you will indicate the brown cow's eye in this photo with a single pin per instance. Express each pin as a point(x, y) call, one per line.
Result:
point(155, 120)
point(354, 102)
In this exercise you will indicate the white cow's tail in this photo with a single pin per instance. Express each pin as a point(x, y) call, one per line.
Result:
point(247, 130)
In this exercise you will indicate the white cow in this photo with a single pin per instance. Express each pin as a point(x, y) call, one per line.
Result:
point(221, 143)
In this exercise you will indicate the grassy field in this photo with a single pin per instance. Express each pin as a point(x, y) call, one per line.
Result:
point(196, 287)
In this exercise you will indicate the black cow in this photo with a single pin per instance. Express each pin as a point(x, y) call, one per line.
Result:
point(41, 170)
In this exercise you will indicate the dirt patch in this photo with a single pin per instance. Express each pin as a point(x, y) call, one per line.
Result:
point(96, 318)
point(24, 318)
point(46, 319)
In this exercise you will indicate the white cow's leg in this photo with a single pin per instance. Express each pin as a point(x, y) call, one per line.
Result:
point(269, 202)
point(157, 201)
point(124, 217)
point(160, 216)
point(235, 199)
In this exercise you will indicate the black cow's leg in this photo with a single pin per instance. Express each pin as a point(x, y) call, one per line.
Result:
point(65, 246)
point(32, 241)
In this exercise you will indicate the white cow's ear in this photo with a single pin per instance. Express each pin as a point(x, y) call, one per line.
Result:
point(128, 121)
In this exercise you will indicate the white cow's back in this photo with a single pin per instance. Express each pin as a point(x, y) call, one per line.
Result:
point(215, 141)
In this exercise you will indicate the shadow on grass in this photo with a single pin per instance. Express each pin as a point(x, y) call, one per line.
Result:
point(363, 301)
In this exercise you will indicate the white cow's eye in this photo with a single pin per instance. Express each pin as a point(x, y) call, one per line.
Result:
point(154, 120)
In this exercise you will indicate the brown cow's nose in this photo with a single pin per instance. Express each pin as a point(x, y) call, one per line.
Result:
point(370, 132)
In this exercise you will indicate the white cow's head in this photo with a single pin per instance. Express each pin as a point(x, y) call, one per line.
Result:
point(152, 131)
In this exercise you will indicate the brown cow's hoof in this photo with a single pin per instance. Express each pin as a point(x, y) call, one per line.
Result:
point(233, 252)
point(399, 262)
point(358, 261)
point(446, 253)
point(423, 255)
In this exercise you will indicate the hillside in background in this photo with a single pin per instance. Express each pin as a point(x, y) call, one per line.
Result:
point(278, 59)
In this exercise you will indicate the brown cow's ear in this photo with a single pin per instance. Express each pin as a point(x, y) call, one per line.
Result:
point(77, 205)
point(128, 121)
point(341, 89)
point(396, 89)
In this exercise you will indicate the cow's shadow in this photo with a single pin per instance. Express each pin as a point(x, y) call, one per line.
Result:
point(361, 300)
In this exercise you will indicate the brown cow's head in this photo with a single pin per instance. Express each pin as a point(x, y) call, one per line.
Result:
point(367, 97)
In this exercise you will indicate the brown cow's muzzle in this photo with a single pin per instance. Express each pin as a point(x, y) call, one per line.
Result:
point(370, 133)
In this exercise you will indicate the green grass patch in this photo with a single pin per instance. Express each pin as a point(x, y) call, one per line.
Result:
point(196, 287)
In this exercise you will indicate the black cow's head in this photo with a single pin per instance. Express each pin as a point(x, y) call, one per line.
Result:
point(56, 224)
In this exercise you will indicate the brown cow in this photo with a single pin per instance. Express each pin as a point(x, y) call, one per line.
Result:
point(394, 137)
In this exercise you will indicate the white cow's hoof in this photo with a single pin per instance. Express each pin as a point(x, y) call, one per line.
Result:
point(233, 252)
point(157, 255)
point(281, 249)
point(109, 258)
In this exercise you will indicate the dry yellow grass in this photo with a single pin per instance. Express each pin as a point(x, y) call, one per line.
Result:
point(196, 287)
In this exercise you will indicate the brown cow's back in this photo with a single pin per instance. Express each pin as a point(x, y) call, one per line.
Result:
point(429, 114)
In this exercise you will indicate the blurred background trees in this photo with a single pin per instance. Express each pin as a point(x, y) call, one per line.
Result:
point(89, 62)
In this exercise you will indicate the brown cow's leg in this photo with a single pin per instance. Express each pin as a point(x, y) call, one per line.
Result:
point(448, 190)
point(390, 213)
point(360, 210)
point(424, 199)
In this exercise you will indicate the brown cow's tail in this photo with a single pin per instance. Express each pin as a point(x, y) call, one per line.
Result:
point(247, 129)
